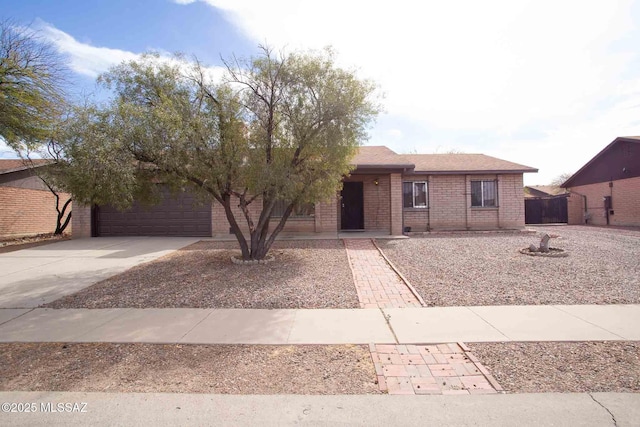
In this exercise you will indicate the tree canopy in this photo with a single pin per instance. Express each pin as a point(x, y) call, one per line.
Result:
point(277, 129)
point(32, 77)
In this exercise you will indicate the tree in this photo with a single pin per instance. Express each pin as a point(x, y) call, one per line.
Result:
point(278, 129)
point(561, 179)
point(32, 77)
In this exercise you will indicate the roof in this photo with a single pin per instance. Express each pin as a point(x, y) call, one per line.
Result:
point(464, 163)
point(15, 165)
point(531, 191)
point(380, 157)
point(609, 164)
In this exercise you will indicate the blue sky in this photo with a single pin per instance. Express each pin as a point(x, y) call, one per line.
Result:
point(543, 83)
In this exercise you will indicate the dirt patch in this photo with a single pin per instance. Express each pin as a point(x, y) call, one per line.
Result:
point(542, 367)
point(227, 369)
point(305, 274)
point(464, 270)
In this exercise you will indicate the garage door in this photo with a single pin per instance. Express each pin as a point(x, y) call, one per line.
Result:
point(176, 215)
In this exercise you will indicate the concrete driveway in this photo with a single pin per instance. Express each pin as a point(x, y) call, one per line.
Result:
point(31, 277)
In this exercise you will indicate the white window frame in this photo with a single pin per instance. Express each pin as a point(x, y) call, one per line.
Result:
point(413, 194)
point(482, 201)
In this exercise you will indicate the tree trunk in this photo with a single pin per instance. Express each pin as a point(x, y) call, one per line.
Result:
point(60, 224)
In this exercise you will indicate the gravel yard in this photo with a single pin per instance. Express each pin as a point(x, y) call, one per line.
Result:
point(540, 367)
point(486, 269)
point(306, 274)
point(227, 369)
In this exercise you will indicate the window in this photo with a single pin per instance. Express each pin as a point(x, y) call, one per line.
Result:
point(484, 194)
point(414, 194)
point(301, 211)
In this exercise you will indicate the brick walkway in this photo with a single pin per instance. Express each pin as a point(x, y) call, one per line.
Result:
point(378, 286)
point(431, 369)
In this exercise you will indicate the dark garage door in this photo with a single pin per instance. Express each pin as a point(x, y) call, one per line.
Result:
point(176, 215)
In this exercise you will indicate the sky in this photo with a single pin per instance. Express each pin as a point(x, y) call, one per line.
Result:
point(547, 84)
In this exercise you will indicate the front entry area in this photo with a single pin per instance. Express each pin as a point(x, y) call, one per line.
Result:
point(352, 206)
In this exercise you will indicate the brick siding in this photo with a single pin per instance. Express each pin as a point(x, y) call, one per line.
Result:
point(25, 212)
point(625, 196)
point(450, 204)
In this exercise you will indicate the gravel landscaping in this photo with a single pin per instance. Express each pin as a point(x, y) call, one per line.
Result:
point(540, 367)
point(227, 369)
point(305, 274)
point(487, 269)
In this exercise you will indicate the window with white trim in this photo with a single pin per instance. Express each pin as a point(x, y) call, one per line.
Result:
point(415, 194)
point(484, 194)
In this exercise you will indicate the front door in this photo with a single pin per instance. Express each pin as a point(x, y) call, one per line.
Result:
point(352, 211)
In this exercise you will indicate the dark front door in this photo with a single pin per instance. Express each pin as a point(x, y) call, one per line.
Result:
point(352, 212)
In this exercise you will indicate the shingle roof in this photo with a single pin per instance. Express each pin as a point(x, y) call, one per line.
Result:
point(13, 165)
point(468, 163)
point(379, 156)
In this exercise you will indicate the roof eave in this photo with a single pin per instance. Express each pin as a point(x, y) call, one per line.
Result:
point(20, 169)
point(475, 172)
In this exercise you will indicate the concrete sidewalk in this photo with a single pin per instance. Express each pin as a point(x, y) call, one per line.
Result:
point(160, 409)
point(323, 326)
point(36, 276)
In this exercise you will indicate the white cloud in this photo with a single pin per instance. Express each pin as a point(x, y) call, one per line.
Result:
point(84, 58)
point(91, 61)
point(567, 69)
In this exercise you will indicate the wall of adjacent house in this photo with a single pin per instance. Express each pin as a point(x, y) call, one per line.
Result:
point(575, 209)
point(27, 211)
point(450, 204)
point(625, 196)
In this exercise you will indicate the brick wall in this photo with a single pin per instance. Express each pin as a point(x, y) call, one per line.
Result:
point(25, 212)
point(327, 216)
point(450, 204)
point(511, 201)
point(447, 206)
point(625, 196)
point(81, 220)
point(575, 209)
point(324, 219)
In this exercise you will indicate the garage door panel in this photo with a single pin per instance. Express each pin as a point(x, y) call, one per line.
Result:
point(176, 215)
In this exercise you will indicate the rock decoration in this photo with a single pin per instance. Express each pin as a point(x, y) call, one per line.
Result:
point(544, 249)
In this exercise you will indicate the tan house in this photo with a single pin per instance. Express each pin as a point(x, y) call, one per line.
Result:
point(388, 193)
point(606, 191)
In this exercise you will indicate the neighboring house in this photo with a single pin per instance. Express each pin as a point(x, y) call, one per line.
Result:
point(606, 191)
point(386, 192)
point(533, 191)
point(27, 207)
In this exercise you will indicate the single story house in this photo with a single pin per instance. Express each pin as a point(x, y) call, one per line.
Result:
point(606, 190)
point(386, 192)
point(27, 207)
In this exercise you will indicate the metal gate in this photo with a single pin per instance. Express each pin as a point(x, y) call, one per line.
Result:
point(546, 210)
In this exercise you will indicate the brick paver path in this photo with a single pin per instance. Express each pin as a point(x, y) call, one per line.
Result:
point(377, 284)
point(431, 369)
